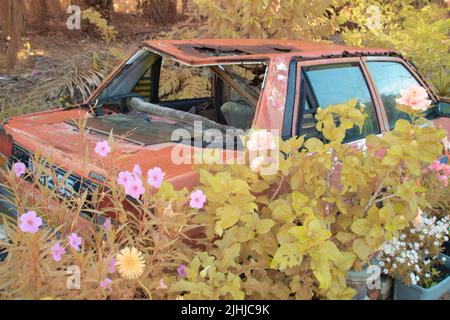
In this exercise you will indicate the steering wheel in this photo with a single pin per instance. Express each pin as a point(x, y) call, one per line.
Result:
point(122, 104)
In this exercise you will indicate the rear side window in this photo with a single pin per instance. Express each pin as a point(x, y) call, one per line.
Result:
point(390, 78)
point(327, 85)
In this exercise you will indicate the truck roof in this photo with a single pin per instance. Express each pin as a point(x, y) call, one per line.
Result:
point(213, 51)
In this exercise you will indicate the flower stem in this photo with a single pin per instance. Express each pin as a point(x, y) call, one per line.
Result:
point(145, 289)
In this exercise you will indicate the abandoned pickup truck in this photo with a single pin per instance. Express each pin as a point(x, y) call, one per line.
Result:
point(167, 85)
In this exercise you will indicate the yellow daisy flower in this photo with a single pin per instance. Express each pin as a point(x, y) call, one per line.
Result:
point(130, 263)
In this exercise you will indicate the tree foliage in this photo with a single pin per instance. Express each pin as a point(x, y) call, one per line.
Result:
point(419, 33)
point(284, 19)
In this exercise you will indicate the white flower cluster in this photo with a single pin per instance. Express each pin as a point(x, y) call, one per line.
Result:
point(412, 256)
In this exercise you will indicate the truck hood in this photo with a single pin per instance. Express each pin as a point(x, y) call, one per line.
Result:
point(57, 134)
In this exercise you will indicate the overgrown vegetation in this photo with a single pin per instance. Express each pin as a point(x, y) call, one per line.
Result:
point(418, 32)
point(293, 233)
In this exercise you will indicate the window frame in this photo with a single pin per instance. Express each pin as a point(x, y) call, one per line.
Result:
point(298, 111)
point(412, 71)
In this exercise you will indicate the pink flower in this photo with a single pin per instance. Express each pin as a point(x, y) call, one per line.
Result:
point(106, 284)
point(415, 97)
point(19, 169)
point(124, 178)
point(155, 177)
point(134, 188)
point(443, 180)
point(75, 241)
point(102, 148)
point(261, 140)
point(435, 166)
point(182, 271)
point(198, 199)
point(418, 219)
point(112, 266)
point(380, 153)
point(257, 164)
point(137, 170)
point(30, 222)
point(107, 224)
point(57, 251)
point(162, 285)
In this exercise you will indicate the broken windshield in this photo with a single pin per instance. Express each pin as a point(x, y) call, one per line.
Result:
point(153, 95)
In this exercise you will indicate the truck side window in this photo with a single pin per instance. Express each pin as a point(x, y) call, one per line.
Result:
point(390, 78)
point(326, 85)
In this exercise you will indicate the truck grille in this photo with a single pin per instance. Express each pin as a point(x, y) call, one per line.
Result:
point(70, 187)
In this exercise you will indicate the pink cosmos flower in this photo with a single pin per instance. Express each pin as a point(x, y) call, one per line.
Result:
point(415, 97)
point(19, 169)
point(134, 188)
point(261, 140)
point(162, 285)
point(182, 271)
point(30, 222)
point(75, 241)
point(106, 284)
point(102, 148)
point(257, 164)
point(112, 266)
point(155, 177)
point(124, 178)
point(137, 170)
point(57, 251)
point(198, 199)
point(107, 224)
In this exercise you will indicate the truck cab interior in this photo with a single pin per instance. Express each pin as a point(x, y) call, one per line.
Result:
point(224, 96)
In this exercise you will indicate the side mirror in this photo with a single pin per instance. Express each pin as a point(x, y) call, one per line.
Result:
point(438, 110)
point(443, 109)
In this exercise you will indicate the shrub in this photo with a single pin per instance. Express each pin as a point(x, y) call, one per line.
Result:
point(291, 233)
point(330, 208)
point(420, 34)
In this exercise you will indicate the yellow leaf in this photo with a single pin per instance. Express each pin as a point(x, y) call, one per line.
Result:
point(229, 216)
point(360, 227)
point(264, 226)
point(284, 213)
point(346, 261)
point(362, 249)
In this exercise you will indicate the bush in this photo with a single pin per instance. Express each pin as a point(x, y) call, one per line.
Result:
point(298, 19)
point(330, 208)
point(420, 34)
point(291, 233)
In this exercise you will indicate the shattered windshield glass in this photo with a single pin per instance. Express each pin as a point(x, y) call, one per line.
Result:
point(152, 96)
